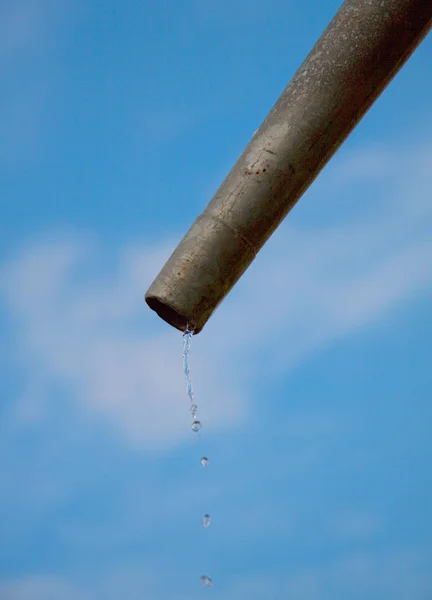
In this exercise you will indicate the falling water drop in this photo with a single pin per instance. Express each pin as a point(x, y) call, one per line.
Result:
point(194, 410)
point(205, 521)
point(204, 462)
point(196, 426)
point(205, 581)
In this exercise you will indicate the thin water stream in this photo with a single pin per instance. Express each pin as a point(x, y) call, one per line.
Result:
point(196, 425)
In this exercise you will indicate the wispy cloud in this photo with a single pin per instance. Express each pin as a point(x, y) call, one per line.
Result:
point(39, 588)
point(92, 336)
point(314, 284)
point(81, 323)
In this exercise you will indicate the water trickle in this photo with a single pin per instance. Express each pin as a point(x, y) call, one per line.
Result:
point(205, 521)
point(205, 581)
point(187, 337)
point(196, 426)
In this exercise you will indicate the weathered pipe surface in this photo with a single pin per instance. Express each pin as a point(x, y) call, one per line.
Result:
point(362, 48)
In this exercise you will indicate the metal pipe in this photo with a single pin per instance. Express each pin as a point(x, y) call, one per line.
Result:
point(360, 51)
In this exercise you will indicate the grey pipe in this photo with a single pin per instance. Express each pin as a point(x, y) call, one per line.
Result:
point(360, 51)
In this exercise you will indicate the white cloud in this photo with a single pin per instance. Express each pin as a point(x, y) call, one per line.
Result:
point(92, 335)
point(312, 285)
point(39, 588)
point(81, 322)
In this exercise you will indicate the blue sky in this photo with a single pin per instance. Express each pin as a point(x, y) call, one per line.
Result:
point(118, 122)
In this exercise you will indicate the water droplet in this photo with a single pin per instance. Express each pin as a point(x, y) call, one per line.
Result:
point(194, 410)
point(196, 426)
point(204, 462)
point(205, 581)
point(205, 521)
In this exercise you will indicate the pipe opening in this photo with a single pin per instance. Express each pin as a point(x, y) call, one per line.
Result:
point(168, 314)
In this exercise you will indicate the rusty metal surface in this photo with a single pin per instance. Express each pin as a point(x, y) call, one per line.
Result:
point(360, 51)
